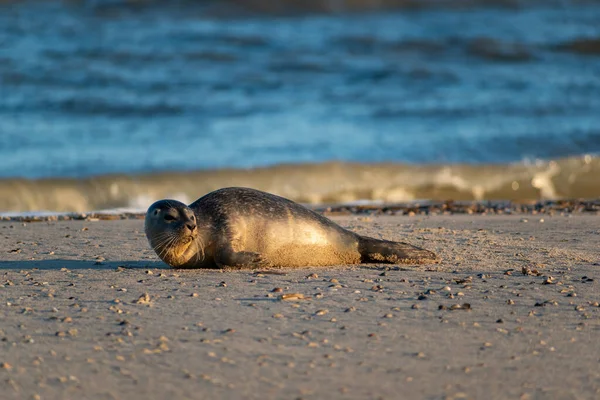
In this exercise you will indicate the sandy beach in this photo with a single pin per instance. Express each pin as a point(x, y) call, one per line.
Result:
point(89, 312)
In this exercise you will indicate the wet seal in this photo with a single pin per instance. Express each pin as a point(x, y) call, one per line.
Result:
point(245, 228)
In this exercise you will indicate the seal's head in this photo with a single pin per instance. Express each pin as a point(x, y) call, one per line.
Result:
point(172, 232)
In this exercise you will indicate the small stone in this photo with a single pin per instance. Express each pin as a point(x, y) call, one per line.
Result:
point(549, 281)
point(312, 276)
point(143, 299)
point(194, 295)
point(277, 290)
point(510, 301)
point(277, 315)
point(322, 312)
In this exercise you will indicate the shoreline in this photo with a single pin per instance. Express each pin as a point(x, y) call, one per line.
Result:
point(423, 208)
point(510, 312)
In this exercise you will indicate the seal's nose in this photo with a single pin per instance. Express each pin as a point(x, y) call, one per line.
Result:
point(191, 226)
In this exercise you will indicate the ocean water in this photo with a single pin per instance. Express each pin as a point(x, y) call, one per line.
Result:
point(113, 104)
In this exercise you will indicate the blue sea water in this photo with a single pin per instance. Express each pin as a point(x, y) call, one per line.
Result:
point(92, 88)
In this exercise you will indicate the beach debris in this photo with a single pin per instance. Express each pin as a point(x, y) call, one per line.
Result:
point(293, 297)
point(549, 281)
point(322, 312)
point(529, 271)
point(464, 306)
point(269, 272)
point(277, 290)
point(468, 279)
point(312, 276)
point(545, 303)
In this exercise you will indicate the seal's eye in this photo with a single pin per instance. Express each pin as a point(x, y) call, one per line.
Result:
point(155, 212)
point(169, 218)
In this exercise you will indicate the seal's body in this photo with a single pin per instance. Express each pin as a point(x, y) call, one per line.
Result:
point(241, 227)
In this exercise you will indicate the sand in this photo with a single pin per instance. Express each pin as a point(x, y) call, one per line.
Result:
point(89, 312)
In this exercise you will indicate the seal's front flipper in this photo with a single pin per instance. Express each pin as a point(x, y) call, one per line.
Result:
point(227, 258)
point(384, 251)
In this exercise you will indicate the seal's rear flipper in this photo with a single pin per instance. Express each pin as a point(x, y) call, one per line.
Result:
point(384, 251)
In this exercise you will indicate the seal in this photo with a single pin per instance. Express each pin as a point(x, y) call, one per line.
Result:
point(245, 228)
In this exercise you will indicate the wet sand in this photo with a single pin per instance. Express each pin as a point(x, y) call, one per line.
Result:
point(89, 312)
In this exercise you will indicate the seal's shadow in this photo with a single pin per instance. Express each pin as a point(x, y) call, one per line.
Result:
point(80, 265)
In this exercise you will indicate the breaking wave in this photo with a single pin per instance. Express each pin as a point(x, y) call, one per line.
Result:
point(321, 183)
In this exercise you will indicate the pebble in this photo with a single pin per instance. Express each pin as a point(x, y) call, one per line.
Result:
point(143, 299)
